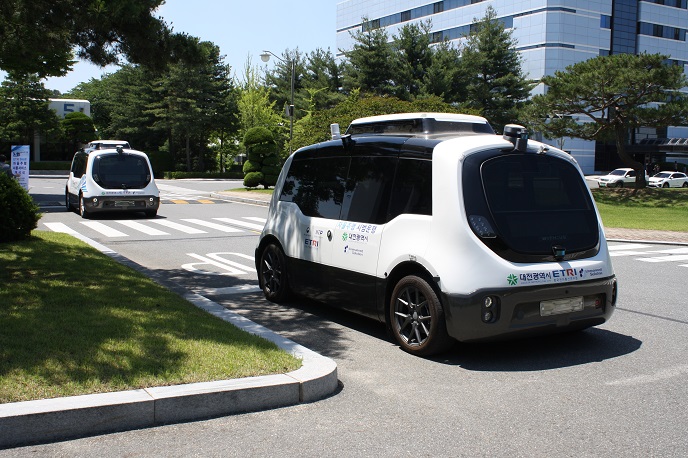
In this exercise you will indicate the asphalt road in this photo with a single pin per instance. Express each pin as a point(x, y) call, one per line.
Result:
point(618, 390)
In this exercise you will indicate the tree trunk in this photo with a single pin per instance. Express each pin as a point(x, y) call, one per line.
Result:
point(188, 153)
point(620, 134)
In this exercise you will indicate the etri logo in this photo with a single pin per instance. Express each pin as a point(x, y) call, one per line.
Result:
point(311, 242)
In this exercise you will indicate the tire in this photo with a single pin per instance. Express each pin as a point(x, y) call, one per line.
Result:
point(619, 184)
point(417, 318)
point(82, 207)
point(665, 185)
point(151, 213)
point(68, 205)
point(273, 275)
point(685, 184)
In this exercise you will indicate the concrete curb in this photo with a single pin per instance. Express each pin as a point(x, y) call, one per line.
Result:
point(50, 420)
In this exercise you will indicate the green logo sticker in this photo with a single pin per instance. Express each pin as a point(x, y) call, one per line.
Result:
point(512, 279)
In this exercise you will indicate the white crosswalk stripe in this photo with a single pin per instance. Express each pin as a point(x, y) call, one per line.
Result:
point(178, 227)
point(141, 227)
point(650, 253)
point(117, 228)
point(219, 227)
point(236, 222)
point(103, 229)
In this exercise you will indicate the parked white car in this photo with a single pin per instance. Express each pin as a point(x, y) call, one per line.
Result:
point(618, 178)
point(668, 179)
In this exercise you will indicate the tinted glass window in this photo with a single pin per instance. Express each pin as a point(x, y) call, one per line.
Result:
point(537, 202)
point(412, 188)
point(121, 171)
point(317, 186)
point(79, 165)
point(368, 188)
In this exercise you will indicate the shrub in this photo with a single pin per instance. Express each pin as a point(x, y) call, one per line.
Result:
point(253, 179)
point(18, 213)
point(261, 151)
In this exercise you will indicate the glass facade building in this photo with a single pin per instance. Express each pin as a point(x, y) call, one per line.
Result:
point(550, 35)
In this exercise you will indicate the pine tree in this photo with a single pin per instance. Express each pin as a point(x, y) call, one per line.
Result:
point(492, 67)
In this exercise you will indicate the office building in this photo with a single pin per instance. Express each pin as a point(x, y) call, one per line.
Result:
point(551, 35)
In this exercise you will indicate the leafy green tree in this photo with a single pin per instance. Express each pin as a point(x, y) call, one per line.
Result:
point(316, 128)
point(24, 109)
point(322, 81)
point(603, 98)
point(190, 96)
point(278, 81)
point(255, 108)
point(39, 36)
point(443, 77)
point(371, 65)
point(78, 128)
point(262, 165)
point(491, 65)
point(414, 56)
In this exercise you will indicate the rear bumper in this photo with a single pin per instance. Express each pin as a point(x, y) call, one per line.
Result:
point(516, 312)
point(121, 203)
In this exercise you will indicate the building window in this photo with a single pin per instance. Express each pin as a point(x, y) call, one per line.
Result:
point(661, 31)
point(673, 3)
point(406, 16)
point(605, 21)
point(438, 7)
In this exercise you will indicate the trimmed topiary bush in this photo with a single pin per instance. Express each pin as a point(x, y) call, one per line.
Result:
point(253, 179)
point(18, 213)
point(261, 152)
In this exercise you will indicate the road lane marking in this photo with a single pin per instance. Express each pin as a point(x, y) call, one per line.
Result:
point(103, 229)
point(219, 227)
point(60, 227)
point(179, 227)
point(236, 222)
point(229, 290)
point(627, 246)
point(228, 270)
point(141, 227)
point(256, 219)
point(670, 258)
point(663, 374)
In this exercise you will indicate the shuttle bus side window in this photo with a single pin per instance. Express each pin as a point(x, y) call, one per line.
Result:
point(317, 186)
point(369, 184)
point(412, 193)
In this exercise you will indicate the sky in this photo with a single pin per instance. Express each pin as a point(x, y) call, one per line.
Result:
point(242, 30)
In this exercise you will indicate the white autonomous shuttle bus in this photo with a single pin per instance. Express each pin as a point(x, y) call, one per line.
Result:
point(443, 230)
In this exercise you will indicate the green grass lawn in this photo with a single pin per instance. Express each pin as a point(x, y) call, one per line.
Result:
point(73, 321)
point(655, 209)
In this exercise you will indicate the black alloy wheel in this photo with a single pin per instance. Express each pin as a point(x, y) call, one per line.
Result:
point(417, 318)
point(273, 274)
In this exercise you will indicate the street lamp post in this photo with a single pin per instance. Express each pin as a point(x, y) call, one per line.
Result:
point(265, 56)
